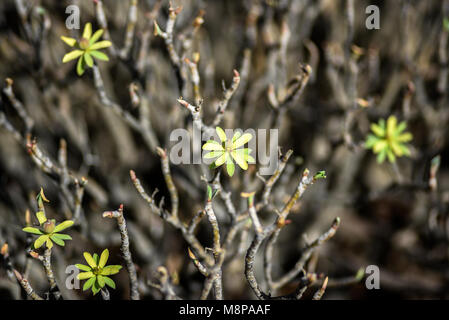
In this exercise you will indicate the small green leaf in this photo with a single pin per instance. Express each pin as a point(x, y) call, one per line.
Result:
point(100, 45)
point(157, 30)
point(381, 156)
point(95, 288)
point(213, 146)
point(70, 41)
point(446, 24)
point(236, 136)
point(213, 166)
point(400, 128)
point(230, 167)
point(405, 137)
point(378, 130)
point(320, 175)
point(221, 134)
point(49, 243)
point(32, 230)
point(72, 55)
point(209, 192)
point(96, 258)
point(62, 236)
point(40, 241)
point(99, 55)
point(104, 258)
point(110, 270)
point(85, 275)
point(213, 154)
point(100, 280)
point(58, 241)
point(360, 274)
point(40, 215)
point(222, 159)
point(239, 157)
point(80, 66)
point(391, 156)
point(242, 140)
point(90, 261)
point(380, 145)
point(436, 161)
point(371, 141)
point(96, 36)
point(87, 31)
point(88, 59)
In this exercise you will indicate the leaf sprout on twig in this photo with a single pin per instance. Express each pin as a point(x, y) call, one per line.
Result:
point(86, 48)
point(389, 139)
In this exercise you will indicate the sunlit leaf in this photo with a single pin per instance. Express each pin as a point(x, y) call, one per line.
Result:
point(40, 215)
point(99, 55)
point(85, 275)
point(57, 240)
point(40, 241)
point(88, 59)
point(239, 159)
point(70, 41)
point(230, 167)
point(96, 36)
point(89, 283)
point(221, 159)
point(80, 66)
point(213, 154)
point(378, 131)
point(242, 140)
point(87, 31)
point(212, 145)
point(90, 261)
point(63, 225)
point(110, 270)
point(95, 287)
point(72, 55)
point(83, 267)
point(109, 282)
point(221, 134)
point(100, 280)
point(49, 243)
point(100, 45)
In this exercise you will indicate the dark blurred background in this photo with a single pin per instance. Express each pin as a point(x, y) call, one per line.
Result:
point(390, 215)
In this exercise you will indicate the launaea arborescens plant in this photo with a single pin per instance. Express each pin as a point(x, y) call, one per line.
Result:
point(228, 151)
point(96, 273)
point(86, 48)
point(48, 231)
point(389, 139)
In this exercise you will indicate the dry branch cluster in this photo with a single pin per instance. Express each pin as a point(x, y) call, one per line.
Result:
point(307, 68)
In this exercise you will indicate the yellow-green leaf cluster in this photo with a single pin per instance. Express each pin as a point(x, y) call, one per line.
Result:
point(228, 151)
point(389, 139)
point(96, 272)
point(86, 48)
